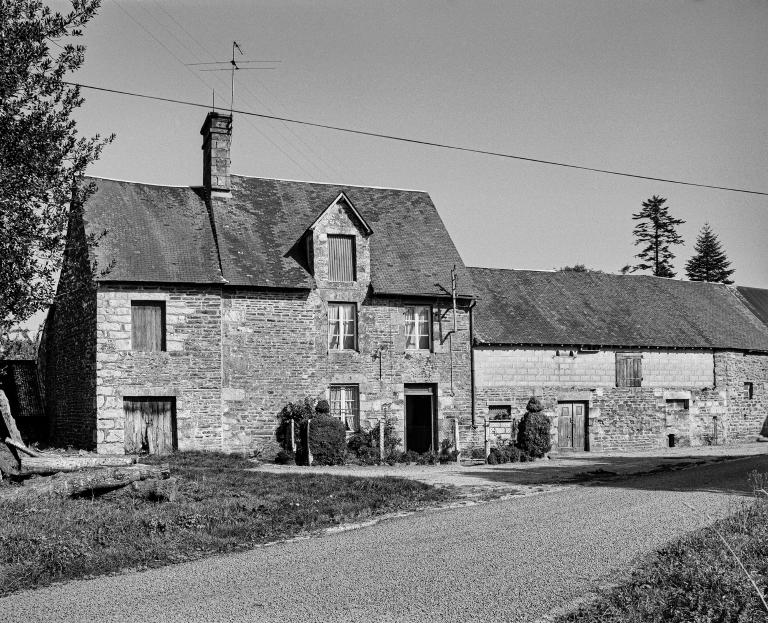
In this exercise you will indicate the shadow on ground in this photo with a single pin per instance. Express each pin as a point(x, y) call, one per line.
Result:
point(727, 474)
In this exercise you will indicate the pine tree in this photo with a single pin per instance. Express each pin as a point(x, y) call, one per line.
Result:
point(710, 262)
point(656, 230)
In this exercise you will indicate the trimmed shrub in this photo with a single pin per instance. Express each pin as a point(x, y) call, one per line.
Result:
point(533, 435)
point(326, 440)
point(284, 458)
point(493, 457)
point(299, 411)
point(322, 407)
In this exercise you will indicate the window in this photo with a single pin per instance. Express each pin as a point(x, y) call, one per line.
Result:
point(345, 405)
point(148, 325)
point(342, 326)
point(418, 327)
point(677, 404)
point(499, 412)
point(749, 389)
point(341, 258)
point(629, 370)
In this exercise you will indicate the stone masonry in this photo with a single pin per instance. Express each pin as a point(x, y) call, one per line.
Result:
point(643, 417)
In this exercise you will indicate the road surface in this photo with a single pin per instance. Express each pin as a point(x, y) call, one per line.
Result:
point(511, 560)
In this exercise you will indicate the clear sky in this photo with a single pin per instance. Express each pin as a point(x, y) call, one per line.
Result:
point(668, 88)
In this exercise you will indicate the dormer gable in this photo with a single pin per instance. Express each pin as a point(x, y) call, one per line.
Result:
point(338, 246)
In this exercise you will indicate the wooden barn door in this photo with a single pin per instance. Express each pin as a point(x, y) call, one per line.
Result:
point(150, 425)
point(572, 426)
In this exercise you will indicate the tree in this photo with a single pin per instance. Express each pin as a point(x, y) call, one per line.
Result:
point(710, 262)
point(578, 268)
point(42, 158)
point(656, 230)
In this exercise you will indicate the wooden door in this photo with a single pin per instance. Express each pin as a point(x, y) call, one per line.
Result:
point(565, 425)
point(150, 425)
point(572, 426)
point(420, 418)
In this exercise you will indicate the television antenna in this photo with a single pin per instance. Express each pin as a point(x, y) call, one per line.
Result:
point(235, 64)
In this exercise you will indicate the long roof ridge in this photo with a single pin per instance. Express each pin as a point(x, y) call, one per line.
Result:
point(342, 184)
point(115, 179)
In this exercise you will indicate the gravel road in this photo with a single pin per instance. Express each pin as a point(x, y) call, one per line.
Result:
point(511, 560)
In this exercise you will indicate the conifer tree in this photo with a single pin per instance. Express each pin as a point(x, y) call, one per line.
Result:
point(710, 262)
point(656, 230)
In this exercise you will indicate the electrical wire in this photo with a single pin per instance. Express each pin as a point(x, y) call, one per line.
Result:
point(425, 143)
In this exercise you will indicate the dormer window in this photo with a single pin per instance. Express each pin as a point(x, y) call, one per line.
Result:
point(341, 258)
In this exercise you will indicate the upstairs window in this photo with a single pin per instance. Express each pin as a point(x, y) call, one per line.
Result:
point(345, 405)
point(418, 327)
point(341, 258)
point(629, 370)
point(342, 326)
point(748, 391)
point(148, 325)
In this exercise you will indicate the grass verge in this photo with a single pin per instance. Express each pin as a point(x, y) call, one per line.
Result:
point(220, 508)
point(695, 578)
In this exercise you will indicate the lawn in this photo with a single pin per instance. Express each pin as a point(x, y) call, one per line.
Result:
point(695, 579)
point(220, 508)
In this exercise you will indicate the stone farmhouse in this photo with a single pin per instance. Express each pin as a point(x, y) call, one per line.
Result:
point(620, 361)
point(203, 310)
point(214, 306)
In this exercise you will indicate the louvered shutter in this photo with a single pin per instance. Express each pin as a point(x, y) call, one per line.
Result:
point(341, 258)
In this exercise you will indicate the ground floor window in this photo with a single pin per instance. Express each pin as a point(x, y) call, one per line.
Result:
point(499, 412)
point(677, 405)
point(345, 405)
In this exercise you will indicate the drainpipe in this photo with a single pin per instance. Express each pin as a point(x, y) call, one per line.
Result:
point(472, 362)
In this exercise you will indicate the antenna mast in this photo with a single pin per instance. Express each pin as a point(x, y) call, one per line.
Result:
point(234, 65)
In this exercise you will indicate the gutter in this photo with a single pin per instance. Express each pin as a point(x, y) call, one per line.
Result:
point(472, 362)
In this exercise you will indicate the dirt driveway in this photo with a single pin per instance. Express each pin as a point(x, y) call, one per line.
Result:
point(479, 479)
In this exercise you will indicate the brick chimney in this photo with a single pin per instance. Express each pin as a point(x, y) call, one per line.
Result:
point(217, 136)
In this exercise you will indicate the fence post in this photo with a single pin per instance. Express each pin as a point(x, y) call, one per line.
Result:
point(456, 445)
point(487, 429)
point(293, 436)
point(381, 439)
point(309, 451)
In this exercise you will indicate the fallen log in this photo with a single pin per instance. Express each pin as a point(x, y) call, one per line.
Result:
point(7, 418)
point(46, 464)
point(9, 464)
point(87, 482)
point(21, 446)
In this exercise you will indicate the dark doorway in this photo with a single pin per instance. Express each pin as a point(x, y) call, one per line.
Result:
point(150, 425)
point(420, 418)
point(572, 426)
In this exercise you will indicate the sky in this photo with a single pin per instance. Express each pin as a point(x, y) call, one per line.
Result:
point(671, 88)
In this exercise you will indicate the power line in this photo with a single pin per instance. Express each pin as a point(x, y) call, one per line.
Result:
point(415, 141)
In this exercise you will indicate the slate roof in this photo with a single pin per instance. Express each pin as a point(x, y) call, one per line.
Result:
point(756, 300)
point(595, 309)
point(163, 234)
point(153, 233)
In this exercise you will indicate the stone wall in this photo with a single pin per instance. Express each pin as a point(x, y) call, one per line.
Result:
point(189, 369)
point(631, 417)
point(69, 369)
point(275, 350)
point(747, 416)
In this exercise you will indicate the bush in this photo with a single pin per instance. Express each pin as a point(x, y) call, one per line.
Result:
point(533, 434)
point(447, 454)
point(427, 458)
point(284, 458)
point(326, 440)
point(534, 405)
point(409, 457)
point(369, 456)
point(322, 407)
point(298, 412)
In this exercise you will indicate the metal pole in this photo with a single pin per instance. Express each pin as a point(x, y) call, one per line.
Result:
point(381, 439)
